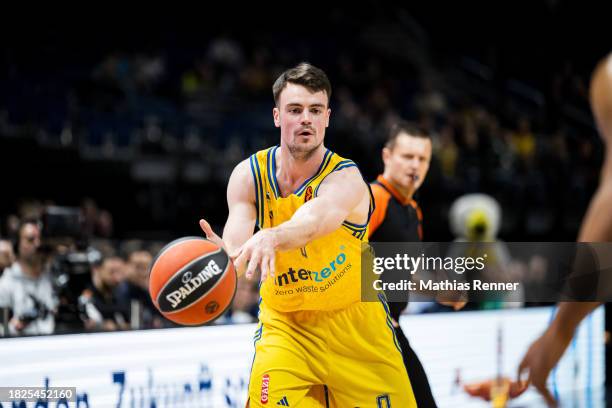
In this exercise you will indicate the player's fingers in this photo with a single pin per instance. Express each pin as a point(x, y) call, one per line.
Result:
point(210, 234)
point(206, 228)
point(235, 255)
point(273, 264)
point(253, 263)
point(240, 262)
point(522, 386)
point(548, 397)
point(265, 267)
point(522, 369)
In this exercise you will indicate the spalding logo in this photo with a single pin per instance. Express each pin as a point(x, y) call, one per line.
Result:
point(187, 277)
point(192, 282)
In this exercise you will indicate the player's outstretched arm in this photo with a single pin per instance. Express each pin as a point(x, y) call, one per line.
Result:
point(544, 353)
point(597, 224)
point(337, 199)
point(242, 212)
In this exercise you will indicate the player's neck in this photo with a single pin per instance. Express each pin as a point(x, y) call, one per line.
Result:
point(292, 172)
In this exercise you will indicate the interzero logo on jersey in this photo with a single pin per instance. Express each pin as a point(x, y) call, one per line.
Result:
point(294, 276)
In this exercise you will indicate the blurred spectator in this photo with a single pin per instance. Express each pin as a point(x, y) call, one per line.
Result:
point(447, 151)
point(256, 76)
point(226, 52)
point(149, 70)
point(135, 288)
point(26, 286)
point(523, 140)
point(101, 309)
point(96, 222)
point(430, 100)
point(7, 255)
point(12, 227)
point(30, 209)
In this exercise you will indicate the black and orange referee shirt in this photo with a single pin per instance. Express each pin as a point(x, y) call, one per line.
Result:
point(395, 218)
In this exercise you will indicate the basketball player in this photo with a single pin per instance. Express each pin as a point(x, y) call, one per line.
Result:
point(546, 351)
point(316, 344)
point(398, 218)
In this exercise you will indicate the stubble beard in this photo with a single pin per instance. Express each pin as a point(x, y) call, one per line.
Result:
point(303, 152)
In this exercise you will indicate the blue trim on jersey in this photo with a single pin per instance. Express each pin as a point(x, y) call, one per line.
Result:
point(372, 203)
point(255, 340)
point(345, 166)
point(383, 300)
point(274, 172)
point(354, 229)
point(258, 333)
point(344, 163)
point(383, 398)
point(326, 159)
point(269, 171)
point(339, 166)
point(334, 169)
point(358, 233)
point(261, 195)
point(253, 160)
point(357, 226)
point(271, 166)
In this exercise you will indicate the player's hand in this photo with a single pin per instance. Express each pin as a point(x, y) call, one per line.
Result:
point(541, 357)
point(259, 252)
point(210, 234)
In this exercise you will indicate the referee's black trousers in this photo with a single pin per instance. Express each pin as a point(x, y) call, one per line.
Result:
point(416, 373)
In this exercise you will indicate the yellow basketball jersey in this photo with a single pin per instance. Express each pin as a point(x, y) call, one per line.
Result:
point(324, 274)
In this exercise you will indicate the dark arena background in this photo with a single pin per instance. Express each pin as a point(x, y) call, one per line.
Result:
point(118, 135)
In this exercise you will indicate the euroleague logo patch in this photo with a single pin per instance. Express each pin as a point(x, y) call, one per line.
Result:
point(265, 387)
point(308, 194)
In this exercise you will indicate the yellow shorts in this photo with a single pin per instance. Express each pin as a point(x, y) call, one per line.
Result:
point(346, 358)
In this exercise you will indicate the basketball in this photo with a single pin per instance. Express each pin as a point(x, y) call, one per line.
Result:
point(192, 281)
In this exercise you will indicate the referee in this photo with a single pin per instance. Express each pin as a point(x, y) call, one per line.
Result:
point(398, 218)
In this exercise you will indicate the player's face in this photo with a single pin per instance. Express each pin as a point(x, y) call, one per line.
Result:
point(302, 117)
point(407, 163)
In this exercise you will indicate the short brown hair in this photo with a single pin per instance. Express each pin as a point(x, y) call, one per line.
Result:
point(304, 74)
point(405, 127)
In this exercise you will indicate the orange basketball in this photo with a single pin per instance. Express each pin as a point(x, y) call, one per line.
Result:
point(192, 281)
